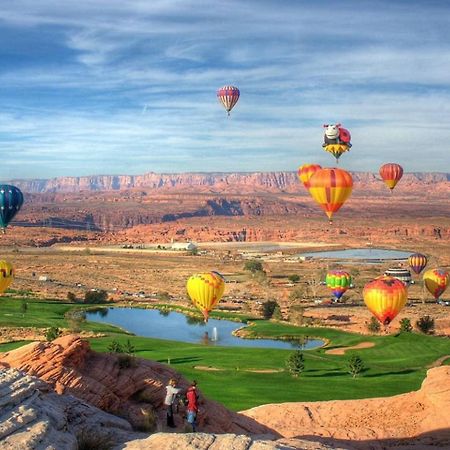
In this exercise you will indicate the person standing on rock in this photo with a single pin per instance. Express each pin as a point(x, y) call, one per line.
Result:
point(192, 406)
point(171, 395)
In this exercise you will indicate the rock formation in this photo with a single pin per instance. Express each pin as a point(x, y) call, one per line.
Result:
point(133, 389)
point(419, 417)
point(230, 182)
point(32, 417)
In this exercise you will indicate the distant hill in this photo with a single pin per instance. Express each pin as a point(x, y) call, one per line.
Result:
point(238, 182)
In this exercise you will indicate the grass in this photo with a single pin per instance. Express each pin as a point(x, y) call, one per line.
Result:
point(44, 314)
point(396, 364)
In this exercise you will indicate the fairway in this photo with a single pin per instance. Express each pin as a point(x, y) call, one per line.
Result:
point(248, 377)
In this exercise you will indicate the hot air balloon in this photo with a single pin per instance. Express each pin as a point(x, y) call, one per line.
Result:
point(385, 297)
point(228, 96)
point(336, 140)
point(306, 171)
point(338, 281)
point(6, 275)
point(11, 200)
point(404, 275)
point(205, 291)
point(436, 281)
point(417, 262)
point(391, 174)
point(330, 188)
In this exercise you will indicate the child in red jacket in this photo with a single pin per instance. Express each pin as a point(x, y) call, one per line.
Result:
point(192, 405)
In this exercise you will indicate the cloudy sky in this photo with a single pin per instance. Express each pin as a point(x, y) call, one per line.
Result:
point(128, 87)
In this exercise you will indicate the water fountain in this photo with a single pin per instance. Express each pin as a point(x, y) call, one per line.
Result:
point(215, 335)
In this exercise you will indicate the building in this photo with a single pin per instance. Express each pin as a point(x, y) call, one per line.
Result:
point(184, 246)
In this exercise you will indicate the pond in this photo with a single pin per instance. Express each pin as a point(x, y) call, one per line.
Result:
point(367, 254)
point(178, 327)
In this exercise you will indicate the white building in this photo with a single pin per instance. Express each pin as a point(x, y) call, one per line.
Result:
point(184, 246)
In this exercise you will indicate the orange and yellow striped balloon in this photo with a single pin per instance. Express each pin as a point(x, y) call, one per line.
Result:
point(205, 291)
point(391, 174)
point(306, 171)
point(385, 297)
point(330, 188)
point(6, 275)
point(436, 281)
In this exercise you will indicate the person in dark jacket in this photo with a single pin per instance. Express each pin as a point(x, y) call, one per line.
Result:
point(192, 405)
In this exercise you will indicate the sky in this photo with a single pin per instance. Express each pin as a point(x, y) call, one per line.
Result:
point(128, 87)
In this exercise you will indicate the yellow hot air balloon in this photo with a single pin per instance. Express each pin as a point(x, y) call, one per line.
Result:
point(436, 281)
point(330, 188)
point(385, 297)
point(6, 275)
point(205, 291)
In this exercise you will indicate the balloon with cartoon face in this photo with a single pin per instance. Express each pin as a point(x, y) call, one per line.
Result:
point(331, 133)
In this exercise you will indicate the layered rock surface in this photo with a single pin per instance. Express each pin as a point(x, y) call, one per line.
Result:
point(32, 416)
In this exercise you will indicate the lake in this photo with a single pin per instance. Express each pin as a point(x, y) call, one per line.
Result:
point(367, 254)
point(178, 327)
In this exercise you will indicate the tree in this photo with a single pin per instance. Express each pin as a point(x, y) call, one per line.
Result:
point(426, 325)
point(277, 313)
point(71, 297)
point(373, 326)
point(253, 266)
point(405, 325)
point(295, 363)
point(355, 365)
point(268, 308)
point(95, 296)
point(129, 348)
point(296, 315)
point(52, 333)
point(294, 278)
point(23, 307)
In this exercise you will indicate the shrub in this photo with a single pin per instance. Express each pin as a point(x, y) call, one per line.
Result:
point(405, 325)
point(115, 347)
point(95, 296)
point(91, 440)
point(373, 326)
point(426, 325)
point(253, 266)
point(294, 278)
point(269, 308)
point(52, 333)
point(129, 348)
point(295, 363)
point(148, 421)
point(126, 361)
point(355, 365)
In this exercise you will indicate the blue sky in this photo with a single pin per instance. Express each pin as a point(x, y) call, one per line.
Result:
point(128, 87)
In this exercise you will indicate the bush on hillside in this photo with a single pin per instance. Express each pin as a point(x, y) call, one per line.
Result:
point(426, 325)
point(295, 363)
point(100, 296)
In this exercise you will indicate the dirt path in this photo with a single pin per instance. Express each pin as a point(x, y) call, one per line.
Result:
point(342, 350)
point(439, 361)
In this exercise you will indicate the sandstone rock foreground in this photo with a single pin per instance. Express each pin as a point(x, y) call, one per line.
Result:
point(33, 416)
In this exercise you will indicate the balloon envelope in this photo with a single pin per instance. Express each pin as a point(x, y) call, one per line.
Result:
point(385, 297)
point(417, 262)
point(11, 200)
point(436, 281)
point(391, 174)
point(338, 281)
point(205, 291)
point(404, 275)
point(306, 171)
point(6, 275)
point(228, 96)
point(330, 188)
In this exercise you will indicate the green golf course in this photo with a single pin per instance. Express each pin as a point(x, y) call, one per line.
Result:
point(242, 378)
